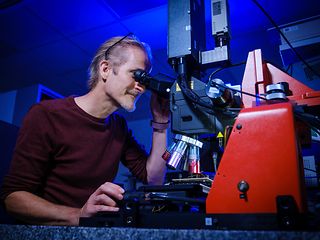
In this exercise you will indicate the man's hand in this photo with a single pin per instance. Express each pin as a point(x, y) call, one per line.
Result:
point(160, 108)
point(103, 199)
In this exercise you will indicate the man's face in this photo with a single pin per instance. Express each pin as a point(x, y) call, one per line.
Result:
point(121, 87)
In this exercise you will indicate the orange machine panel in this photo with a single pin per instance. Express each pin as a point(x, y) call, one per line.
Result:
point(259, 74)
point(262, 151)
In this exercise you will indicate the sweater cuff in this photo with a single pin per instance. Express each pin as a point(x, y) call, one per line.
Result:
point(159, 126)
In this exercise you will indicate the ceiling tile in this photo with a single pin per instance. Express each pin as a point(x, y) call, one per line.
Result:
point(60, 56)
point(22, 30)
point(128, 7)
point(54, 41)
point(91, 40)
point(72, 16)
point(150, 27)
point(246, 17)
point(42, 63)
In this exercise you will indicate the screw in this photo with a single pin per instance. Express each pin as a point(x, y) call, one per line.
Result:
point(129, 220)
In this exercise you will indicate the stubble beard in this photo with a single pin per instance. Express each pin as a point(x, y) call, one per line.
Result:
point(129, 107)
point(132, 106)
point(134, 97)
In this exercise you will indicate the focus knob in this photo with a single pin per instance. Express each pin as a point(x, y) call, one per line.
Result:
point(243, 186)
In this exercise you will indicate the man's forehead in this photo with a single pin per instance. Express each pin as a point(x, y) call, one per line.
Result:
point(137, 55)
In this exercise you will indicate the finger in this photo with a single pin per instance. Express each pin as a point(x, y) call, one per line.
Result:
point(103, 199)
point(115, 187)
point(112, 190)
point(112, 187)
point(157, 99)
point(103, 208)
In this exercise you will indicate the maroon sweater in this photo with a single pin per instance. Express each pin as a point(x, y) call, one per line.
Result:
point(64, 154)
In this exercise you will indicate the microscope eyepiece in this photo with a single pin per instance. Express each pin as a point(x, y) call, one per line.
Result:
point(142, 77)
point(159, 83)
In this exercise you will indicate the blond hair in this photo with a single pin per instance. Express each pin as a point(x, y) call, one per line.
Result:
point(114, 50)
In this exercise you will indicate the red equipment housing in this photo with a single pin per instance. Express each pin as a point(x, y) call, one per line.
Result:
point(262, 158)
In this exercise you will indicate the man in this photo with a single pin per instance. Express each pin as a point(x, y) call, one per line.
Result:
point(68, 150)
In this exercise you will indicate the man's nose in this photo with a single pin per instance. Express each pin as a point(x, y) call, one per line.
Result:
point(140, 87)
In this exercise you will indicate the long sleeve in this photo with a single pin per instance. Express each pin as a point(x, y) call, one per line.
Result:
point(134, 155)
point(31, 157)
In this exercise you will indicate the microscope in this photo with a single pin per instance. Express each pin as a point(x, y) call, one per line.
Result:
point(197, 108)
point(259, 182)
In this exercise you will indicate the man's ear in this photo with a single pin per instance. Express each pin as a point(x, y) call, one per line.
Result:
point(104, 69)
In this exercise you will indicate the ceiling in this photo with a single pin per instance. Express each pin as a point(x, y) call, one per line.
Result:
point(52, 41)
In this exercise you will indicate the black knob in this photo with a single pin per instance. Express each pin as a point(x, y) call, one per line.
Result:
point(243, 186)
point(239, 126)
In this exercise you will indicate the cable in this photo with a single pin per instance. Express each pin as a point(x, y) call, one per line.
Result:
point(194, 97)
point(239, 91)
point(289, 68)
point(311, 170)
point(208, 107)
point(191, 95)
point(199, 103)
point(285, 38)
point(310, 120)
point(202, 105)
point(220, 69)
